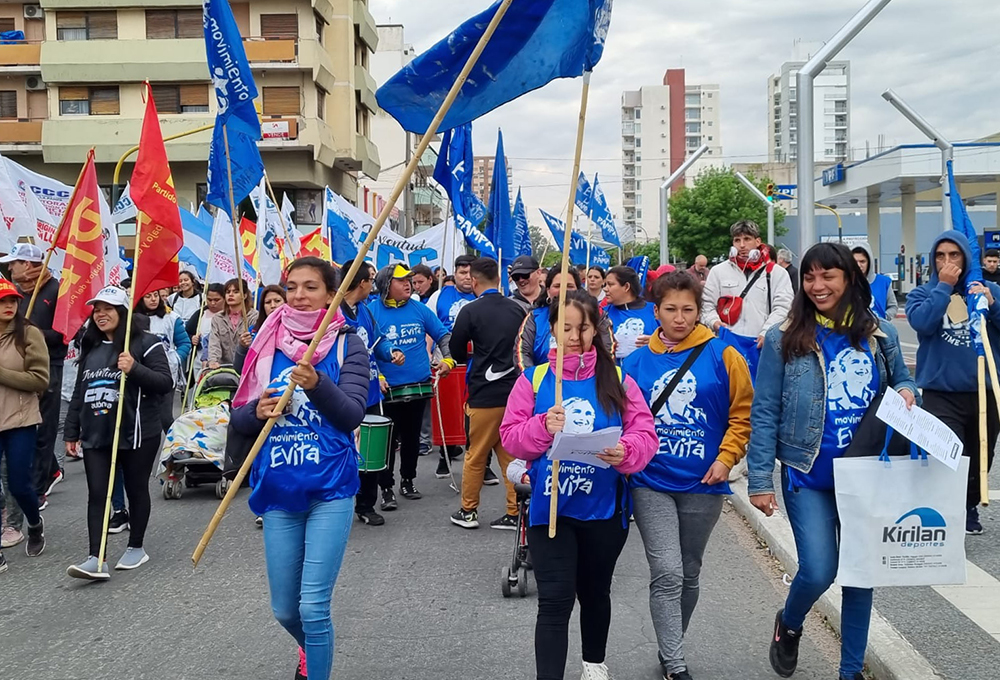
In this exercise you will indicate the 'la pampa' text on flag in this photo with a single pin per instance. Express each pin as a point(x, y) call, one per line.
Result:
point(578, 244)
point(535, 43)
point(454, 172)
point(83, 239)
point(159, 233)
point(499, 221)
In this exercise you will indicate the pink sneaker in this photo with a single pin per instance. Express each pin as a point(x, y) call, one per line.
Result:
point(300, 671)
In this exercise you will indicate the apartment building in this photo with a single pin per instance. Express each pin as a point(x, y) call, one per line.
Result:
point(661, 126)
point(482, 177)
point(76, 82)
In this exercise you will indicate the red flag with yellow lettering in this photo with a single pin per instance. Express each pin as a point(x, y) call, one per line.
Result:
point(83, 239)
point(159, 235)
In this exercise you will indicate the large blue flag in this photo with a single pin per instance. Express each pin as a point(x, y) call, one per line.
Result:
point(454, 172)
point(536, 42)
point(499, 221)
point(522, 232)
point(600, 213)
point(578, 244)
point(235, 91)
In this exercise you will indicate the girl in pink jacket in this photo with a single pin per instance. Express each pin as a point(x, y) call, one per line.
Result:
point(594, 502)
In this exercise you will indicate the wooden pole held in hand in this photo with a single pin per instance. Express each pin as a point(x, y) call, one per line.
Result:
point(397, 191)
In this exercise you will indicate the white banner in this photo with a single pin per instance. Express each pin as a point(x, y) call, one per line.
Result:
point(222, 268)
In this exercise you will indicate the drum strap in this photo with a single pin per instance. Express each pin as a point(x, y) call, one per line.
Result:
point(540, 371)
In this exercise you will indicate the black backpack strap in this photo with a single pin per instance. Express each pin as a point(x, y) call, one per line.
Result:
point(672, 385)
point(769, 292)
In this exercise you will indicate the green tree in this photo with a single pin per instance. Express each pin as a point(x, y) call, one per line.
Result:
point(650, 250)
point(538, 241)
point(700, 216)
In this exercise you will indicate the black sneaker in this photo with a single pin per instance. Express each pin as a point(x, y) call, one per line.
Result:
point(443, 471)
point(408, 491)
point(679, 675)
point(784, 653)
point(119, 522)
point(490, 478)
point(36, 539)
point(258, 522)
point(3, 563)
point(467, 519)
point(505, 522)
point(389, 500)
point(973, 527)
point(371, 518)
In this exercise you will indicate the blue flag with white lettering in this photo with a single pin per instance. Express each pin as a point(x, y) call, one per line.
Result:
point(600, 213)
point(535, 43)
point(454, 172)
point(343, 247)
point(640, 264)
point(499, 221)
point(235, 91)
point(522, 232)
point(578, 244)
point(584, 193)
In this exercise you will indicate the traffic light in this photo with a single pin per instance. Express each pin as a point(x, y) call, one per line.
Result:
point(769, 191)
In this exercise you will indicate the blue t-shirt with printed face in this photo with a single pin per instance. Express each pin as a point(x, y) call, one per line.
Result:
point(406, 327)
point(852, 381)
point(629, 324)
point(449, 303)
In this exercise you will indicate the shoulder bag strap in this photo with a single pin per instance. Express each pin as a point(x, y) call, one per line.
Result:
point(669, 389)
point(753, 280)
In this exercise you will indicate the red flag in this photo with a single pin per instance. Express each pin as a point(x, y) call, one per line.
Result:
point(160, 234)
point(83, 239)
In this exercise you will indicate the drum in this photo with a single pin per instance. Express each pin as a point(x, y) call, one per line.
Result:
point(409, 392)
point(452, 393)
point(374, 438)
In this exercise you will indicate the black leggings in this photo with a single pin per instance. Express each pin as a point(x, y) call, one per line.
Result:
point(407, 418)
point(136, 466)
point(575, 565)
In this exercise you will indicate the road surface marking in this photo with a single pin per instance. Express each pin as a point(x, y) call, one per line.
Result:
point(978, 599)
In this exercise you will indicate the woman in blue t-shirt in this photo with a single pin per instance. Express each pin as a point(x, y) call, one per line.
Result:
point(304, 480)
point(703, 425)
point(632, 318)
point(822, 370)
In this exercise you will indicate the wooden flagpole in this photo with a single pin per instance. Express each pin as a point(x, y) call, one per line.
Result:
point(281, 216)
point(237, 241)
point(55, 237)
point(560, 322)
point(355, 266)
point(121, 402)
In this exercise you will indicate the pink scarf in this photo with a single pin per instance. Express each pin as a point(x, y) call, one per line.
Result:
point(288, 331)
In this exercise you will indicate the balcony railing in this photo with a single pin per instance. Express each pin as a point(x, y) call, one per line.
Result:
point(20, 131)
point(21, 54)
point(271, 49)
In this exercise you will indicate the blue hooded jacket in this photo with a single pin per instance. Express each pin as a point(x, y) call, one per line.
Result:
point(946, 357)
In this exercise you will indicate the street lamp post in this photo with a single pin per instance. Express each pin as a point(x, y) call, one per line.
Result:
point(770, 205)
point(804, 96)
point(947, 148)
point(665, 200)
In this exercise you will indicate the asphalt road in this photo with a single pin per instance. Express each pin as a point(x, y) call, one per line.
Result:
point(417, 599)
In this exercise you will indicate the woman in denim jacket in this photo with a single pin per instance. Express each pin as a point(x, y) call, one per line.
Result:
point(819, 373)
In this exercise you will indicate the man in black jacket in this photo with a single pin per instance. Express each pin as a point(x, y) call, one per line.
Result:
point(27, 271)
point(491, 323)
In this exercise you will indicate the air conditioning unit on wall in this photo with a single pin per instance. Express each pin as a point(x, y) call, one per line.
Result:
point(34, 83)
point(33, 12)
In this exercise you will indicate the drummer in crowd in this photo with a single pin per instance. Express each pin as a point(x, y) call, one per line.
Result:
point(358, 316)
point(405, 323)
point(491, 323)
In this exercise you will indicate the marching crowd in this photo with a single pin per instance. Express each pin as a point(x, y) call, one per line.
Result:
point(699, 369)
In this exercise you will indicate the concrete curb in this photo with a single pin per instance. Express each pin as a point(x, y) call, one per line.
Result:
point(890, 656)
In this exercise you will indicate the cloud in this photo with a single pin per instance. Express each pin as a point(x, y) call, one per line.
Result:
point(941, 58)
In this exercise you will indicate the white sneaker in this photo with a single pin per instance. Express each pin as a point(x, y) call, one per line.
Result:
point(88, 570)
point(132, 559)
point(595, 671)
point(11, 537)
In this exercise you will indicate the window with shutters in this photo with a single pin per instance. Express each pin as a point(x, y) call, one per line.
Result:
point(87, 25)
point(8, 103)
point(321, 103)
point(282, 101)
point(92, 101)
point(173, 23)
point(6, 24)
point(279, 26)
point(320, 28)
point(181, 98)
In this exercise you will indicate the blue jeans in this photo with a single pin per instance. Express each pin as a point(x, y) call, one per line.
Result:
point(118, 491)
point(18, 445)
point(304, 551)
point(816, 526)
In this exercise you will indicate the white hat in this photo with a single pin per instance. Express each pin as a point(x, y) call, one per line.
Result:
point(113, 295)
point(26, 252)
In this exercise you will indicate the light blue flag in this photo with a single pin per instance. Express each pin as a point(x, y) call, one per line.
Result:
point(522, 232)
point(578, 244)
point(343, 247)
point(499, 221)
point(454, 172)
point(235, 91)
point(197, 239)
point(535, 43)
point(600, 213)
point(205, 216)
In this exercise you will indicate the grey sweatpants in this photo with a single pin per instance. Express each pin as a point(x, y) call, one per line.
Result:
point(675, 528)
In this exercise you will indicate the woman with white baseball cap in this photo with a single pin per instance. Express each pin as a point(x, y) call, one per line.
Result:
point(90, 422)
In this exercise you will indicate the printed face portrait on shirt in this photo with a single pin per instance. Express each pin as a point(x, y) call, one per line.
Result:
point(678, 408)
point(849, 377)
point(580, 416)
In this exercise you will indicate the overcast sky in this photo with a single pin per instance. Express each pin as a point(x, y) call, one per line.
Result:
point(943, 58)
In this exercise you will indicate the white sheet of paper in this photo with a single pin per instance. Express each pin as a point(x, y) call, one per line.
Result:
point(583, 448)
point(921, 428)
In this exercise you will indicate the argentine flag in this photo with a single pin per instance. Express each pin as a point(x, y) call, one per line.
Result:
point(197, 236)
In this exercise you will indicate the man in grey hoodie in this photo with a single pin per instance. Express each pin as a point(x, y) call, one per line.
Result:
point(883, 298)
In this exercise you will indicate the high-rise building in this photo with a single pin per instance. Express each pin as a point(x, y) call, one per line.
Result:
point(831, 106)
point(76, 82)
point(661, 126)
point(482, 176)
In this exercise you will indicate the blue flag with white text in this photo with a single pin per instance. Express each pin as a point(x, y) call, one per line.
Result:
point(584, 193)
point(535, 43)
point(499, 221)
point(578, 244)
point(600, 213)
point(454, 172)
point(522, 232)
point(640, 264)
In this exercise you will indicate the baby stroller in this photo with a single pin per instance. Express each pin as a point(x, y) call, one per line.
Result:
point(196, 442)
point(515, 575)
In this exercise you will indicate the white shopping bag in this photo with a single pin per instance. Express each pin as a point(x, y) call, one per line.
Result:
point(901, 523)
